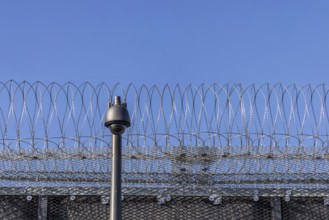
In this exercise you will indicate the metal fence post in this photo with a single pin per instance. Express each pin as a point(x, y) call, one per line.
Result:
point(42, 208)
point(276, 208)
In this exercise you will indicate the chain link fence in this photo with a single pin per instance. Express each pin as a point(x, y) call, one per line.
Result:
point(148, 207)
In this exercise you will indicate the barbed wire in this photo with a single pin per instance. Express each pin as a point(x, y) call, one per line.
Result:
point(228, 128)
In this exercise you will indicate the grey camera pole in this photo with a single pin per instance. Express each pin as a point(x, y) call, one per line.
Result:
point(117, 120)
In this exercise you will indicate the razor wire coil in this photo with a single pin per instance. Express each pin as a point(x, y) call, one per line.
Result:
point(191, 130)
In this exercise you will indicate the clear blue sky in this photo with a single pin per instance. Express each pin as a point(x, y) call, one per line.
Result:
point(171, 41)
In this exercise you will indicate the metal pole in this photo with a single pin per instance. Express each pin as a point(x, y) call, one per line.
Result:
point(42, 208)
point(117, 120)
point(116, 178)
point(276, 208)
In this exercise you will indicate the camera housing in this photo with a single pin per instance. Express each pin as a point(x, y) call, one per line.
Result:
point(117, 117)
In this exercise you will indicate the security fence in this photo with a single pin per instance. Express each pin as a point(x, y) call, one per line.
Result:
point(205, 152)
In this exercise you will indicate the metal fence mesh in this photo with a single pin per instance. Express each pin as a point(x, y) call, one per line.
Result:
point(241, 145)
point(147, 207)
point(138, 207)
point(18, 207)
